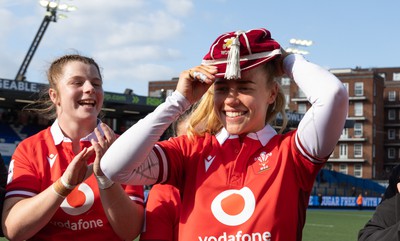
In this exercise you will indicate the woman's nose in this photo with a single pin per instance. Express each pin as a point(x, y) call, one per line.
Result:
point(88, 87)
point(232, 97)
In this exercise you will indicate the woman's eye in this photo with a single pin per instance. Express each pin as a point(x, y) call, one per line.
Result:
point(221, 89)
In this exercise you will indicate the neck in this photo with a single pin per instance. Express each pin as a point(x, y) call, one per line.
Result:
point(76, 130)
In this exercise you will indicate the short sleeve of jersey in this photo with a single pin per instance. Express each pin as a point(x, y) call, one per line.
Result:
point(135, 193)
point(24, 175)
point(162, 214)
point(180, 153)
point(305, 168)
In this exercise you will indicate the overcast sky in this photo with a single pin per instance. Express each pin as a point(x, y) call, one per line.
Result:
point(136, 41)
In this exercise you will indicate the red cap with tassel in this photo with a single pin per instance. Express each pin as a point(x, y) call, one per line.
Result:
point(238, 51)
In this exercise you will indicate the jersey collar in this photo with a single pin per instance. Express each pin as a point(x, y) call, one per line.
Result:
point(263, 135)
point(59, 137)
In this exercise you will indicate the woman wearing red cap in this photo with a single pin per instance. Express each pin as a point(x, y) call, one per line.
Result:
point(239, 179)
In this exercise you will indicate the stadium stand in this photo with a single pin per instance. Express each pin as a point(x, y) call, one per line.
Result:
point(332, 183)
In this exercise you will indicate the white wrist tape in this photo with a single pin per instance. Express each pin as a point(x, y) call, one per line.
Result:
point(104, 182)
point(66, 185)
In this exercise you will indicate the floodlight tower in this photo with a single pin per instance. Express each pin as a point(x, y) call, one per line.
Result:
point(52, 7)
point(296, 43)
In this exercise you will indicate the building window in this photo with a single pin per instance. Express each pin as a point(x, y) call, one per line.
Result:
point(346, 85)
point(373, 151)
point(285, 81)
point(358, 170)
point(392, 95)
point(301, 94)
point(396, 76)
point(392, 114)
point(345, 133)
point(358, 109)
point(328, 166)
point(343, 151)
point(343, 168)
point(391, 134)
point(374, 130)
point(359, 89)
point(391, 153)
point(287, 101)
point(358, 150)
point(358, 129)
point(169, 92)
point(301, 108)
point(383, 75)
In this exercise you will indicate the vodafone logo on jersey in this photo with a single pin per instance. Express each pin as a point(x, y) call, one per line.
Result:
point(80, 200)
point(234, 207)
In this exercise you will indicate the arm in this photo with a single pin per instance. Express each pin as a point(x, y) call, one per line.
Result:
point(133, 148)
point(322, 125)
point(124, 215)
point(24, 217)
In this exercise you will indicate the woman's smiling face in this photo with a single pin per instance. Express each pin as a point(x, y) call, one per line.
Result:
point(242, 104)
point(80, 93)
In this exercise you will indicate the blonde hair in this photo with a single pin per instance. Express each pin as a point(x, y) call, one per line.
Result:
point(204, 119)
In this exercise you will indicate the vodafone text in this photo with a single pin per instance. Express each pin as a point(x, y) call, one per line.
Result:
point(81, 224)
point(239, 236)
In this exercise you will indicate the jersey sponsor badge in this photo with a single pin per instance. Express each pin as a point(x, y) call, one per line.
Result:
point(79, 201)
point(234, 207)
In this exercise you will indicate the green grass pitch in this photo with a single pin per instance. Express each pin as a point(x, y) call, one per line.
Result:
point(331, 224)
point(334, 224)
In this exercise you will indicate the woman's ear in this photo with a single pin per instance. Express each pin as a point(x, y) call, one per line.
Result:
point(53, 96)
point(273, 93)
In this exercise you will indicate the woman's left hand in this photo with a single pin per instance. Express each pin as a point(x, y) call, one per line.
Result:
point(193, 83)
point(101, 146)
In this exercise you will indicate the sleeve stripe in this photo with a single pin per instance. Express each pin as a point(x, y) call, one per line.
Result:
point(163, 163)
point(20, 193)
point(306, 154)
point(137, 199)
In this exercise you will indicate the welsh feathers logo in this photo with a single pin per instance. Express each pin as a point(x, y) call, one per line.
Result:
point(262, 160)
point(234, 207)
point(227, 45)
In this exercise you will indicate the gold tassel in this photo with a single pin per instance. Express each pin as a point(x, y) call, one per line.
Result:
point(233, 62)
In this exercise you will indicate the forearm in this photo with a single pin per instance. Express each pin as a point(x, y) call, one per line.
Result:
point(22, 218)
point(131, 149)
point(322, 125)
point(124, 215)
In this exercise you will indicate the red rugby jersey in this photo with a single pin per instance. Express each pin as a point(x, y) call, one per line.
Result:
point(162, 214)
point(240, 188)
point(37, 163)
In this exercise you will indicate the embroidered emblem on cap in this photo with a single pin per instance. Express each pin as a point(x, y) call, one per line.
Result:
point(238, 51)
point(228, 43)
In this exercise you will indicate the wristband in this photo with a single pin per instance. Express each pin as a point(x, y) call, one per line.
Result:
point(103, 182)
point(66, 185)
point(60, 189)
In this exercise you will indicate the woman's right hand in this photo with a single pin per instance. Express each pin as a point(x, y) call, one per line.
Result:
point(279, 63)
point(193, 83)
point(78, 170)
